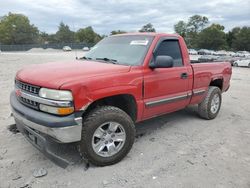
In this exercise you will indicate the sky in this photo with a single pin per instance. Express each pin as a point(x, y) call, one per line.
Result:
point(129, 15)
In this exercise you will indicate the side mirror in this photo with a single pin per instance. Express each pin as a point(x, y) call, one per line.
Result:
point(162, 61)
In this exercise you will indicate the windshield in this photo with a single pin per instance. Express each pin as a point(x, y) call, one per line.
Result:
point(123, 50)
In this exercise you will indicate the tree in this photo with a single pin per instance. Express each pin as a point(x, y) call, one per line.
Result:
point(64, 34)
point(231, 35)
point(16, 29)
point(218, 26)
point(147, 28)
point(117, 32)
point(241, 39)
point(213, 37)
point(43, 38)
point(197, 23)
point(198, 35)
point(191, 29)
point(181, 28)
point(87, 35)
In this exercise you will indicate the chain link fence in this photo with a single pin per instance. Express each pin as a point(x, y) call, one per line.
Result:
point(26, 47)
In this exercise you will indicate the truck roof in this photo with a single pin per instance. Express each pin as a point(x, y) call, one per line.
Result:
point(149, 34)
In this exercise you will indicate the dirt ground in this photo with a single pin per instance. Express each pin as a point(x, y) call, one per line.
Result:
point(175, 150)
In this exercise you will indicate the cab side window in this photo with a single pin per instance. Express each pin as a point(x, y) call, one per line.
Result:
point(170, 48)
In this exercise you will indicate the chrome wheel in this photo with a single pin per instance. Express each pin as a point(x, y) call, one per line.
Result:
point(215, 103)
point(108, 139)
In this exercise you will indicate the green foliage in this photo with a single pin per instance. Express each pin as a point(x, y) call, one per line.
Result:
point(241, 40)
point(45, 38)
point(147, 28)
point(212, 37)
point(87, 35)
point(218, 27)
point(64, 34)
point(16, 29)
point(198, 35)
point(117, 32)
point(231, 35)
point(191, 29)
point(197, 23)
point(181, 28)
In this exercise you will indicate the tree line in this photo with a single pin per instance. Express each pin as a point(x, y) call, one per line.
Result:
point(17, 29)
point(197, 32)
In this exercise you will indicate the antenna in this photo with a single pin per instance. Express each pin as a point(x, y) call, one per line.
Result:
point(74, 40)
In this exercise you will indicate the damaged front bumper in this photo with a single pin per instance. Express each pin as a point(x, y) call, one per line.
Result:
point(66, 134)
point(65, 129)
point(56, 137)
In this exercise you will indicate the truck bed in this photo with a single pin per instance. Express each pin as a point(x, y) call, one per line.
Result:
point(205, 72)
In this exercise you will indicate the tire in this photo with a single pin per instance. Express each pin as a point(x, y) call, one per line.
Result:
point(249, 65)
point(236, 64)
point(207, 108)
point(92, 138)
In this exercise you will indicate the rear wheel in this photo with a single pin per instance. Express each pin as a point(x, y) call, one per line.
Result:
point(249, 65)
point(236, 64)
point(210, 106)
point(107, 136)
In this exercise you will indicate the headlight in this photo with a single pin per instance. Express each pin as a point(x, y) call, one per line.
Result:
point(56, 94)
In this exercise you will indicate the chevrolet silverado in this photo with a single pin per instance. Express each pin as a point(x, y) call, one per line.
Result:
point(95, 101)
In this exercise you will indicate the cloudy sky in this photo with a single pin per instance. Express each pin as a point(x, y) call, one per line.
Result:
point(128, 15)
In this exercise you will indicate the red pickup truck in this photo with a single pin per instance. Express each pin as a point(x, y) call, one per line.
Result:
point(96, 100)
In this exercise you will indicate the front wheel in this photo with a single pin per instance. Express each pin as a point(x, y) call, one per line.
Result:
point(107, 136)
point(210, 106)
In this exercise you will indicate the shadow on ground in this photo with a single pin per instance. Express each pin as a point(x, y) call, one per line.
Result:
point(154, 124)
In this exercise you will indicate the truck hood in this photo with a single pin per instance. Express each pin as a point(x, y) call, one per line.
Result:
point(53, 75)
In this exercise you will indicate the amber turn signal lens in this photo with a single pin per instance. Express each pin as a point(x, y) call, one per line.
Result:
point(65, 111)
point(56, 110)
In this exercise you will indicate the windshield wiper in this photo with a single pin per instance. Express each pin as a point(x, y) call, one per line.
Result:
point(86, 58)
point(114, 61)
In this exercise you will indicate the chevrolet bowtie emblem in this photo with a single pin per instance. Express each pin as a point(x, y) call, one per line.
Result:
point(18, 92)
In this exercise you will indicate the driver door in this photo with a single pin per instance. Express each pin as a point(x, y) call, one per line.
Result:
point(166, 89)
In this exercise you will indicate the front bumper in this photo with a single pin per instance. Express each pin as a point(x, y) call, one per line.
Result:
point(63, 129)
point(61, 154)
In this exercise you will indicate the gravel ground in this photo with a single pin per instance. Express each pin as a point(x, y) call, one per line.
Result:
point(175, 150)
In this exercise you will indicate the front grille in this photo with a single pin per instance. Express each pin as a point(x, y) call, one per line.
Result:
point(27, 87)
point(29, 103)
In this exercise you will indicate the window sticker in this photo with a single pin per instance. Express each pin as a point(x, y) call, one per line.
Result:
point(139, 42)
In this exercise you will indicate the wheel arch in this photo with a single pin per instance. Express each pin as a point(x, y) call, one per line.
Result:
point(217, 82)
point(125, 102)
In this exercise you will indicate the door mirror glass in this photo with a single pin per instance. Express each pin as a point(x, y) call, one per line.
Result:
point(162, 61)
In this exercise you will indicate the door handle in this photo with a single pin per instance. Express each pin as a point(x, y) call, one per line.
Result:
point(184, 75)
